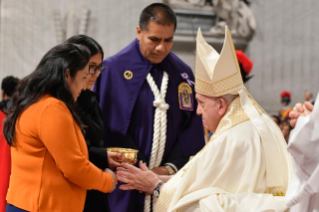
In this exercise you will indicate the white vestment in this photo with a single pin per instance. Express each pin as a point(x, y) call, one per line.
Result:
point(302, 194)
point(229, 173)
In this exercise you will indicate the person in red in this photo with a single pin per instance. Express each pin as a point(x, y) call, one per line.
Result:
point(8, 86)
point(245, 65)
point(5, 165)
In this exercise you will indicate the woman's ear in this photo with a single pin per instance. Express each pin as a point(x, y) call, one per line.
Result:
point(67, 74)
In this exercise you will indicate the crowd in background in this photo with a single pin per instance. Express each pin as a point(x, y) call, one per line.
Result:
point(283, 118)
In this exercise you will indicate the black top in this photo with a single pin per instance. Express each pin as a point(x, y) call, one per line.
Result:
point(4, 105)
point(91, 116)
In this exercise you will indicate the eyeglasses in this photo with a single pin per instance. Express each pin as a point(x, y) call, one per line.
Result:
point(93, 69)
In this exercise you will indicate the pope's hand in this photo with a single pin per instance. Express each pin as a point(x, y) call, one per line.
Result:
point(300, 110)
point(140, 179)
point(111, 156)
point(113, 177)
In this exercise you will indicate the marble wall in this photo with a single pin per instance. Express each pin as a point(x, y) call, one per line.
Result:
point(285, 49)
point(28, 31)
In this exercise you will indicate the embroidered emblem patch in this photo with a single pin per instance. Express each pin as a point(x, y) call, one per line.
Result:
point(185, 97)
point(128, 74)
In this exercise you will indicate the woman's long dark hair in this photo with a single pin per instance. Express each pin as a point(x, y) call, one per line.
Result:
point(48, 78)
point(87, 41)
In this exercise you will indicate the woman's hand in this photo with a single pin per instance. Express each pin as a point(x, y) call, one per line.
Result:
point(300, 110)
point(140, 179)
point(114, 179)
point(111, 156)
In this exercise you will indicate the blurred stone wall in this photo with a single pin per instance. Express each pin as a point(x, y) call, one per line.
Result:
point(27, 29)
point(285, 51)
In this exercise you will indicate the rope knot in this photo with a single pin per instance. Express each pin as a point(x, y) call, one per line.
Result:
point(161, 104)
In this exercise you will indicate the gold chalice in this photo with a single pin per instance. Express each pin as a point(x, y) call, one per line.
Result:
point(128, 155)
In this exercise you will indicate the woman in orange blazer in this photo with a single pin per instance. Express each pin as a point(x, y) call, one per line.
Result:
point(50, 167)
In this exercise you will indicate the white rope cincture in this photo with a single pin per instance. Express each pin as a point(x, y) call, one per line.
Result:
point(159, 128)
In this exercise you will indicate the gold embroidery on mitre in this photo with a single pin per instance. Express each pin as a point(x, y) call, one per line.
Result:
point(220, 87)
point(276, 191)
point(128, 74)
point(225, 85)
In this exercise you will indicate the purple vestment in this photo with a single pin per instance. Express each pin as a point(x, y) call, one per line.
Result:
point(127, 107)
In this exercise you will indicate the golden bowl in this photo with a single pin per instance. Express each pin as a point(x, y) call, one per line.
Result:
point(128, 155)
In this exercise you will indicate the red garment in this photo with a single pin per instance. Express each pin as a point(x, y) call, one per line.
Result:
point(246, 63)
point(285, 93)
point(5, 165)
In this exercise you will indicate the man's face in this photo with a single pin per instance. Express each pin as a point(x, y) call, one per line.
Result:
point(308, 96)
point(155, 42)
point(211, 110)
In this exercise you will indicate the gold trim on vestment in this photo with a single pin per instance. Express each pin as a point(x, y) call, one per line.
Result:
point(168, 191)
point(234, 116)
point(276, 191)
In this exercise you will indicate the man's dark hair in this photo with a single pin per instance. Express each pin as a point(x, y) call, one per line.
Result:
point(159, 13)
point(9, 84)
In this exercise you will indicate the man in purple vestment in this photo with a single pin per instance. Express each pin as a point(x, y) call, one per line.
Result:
point(147, 99)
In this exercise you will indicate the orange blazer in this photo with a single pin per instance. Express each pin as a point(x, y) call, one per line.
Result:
point(50, 167)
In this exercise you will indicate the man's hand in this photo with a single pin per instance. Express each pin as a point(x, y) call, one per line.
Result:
point(300, 110)
point(113, 177)
point(111, 156)
point(140, 179)
point(161, 170)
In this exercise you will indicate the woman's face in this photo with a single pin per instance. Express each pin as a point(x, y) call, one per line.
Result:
point(95, 61)
point(78, 83)
point(285, 131)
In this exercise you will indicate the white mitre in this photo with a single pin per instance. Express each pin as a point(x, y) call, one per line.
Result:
point(218, 75)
